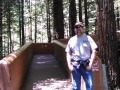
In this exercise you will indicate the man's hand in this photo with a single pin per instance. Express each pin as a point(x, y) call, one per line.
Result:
point(71, 68)
point(89, 67)
point(93, 56)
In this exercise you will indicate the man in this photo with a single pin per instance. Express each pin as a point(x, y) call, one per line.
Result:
point(80, 53)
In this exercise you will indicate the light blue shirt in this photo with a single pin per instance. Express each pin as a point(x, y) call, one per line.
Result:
point(80, 48)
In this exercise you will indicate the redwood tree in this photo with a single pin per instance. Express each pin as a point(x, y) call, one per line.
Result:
point(107, 39)
point(72, 16)
point(58, 18)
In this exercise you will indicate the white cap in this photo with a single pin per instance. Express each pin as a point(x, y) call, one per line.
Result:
point(79, 23)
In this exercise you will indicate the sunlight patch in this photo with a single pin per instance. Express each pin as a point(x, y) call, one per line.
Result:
point(52, 84)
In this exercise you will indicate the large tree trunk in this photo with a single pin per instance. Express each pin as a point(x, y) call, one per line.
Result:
point(107, 38)
point(58, 18)
point(72, 17)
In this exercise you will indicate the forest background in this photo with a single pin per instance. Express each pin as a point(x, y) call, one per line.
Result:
point(43, 21)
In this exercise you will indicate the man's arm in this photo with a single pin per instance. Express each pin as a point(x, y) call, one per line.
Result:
point(93, 56)
point(70, 66)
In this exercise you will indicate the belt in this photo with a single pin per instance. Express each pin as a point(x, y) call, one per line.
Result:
point(80, 63)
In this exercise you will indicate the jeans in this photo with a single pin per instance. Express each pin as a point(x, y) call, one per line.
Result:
point(76, 78)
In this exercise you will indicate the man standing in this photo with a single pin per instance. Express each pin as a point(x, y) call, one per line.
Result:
point(80, 53)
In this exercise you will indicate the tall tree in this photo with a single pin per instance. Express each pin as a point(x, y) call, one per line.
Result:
point(9, 27)
point(72, 17)
point(22, 11)
point(107, 38)
point(86, 17)
point(35, 21)
point(80, 10)
point(48, 20)
point(1, 29)
point(20, 23)
point(58, 17)
point(30, 25)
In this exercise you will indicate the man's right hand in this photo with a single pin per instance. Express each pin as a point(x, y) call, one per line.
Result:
point(71, 68)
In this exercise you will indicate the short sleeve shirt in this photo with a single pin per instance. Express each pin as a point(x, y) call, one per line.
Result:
point(80, 48)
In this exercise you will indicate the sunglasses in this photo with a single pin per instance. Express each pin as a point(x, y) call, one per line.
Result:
point(78, 27)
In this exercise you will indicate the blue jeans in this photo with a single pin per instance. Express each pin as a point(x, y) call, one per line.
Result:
point(76, 78)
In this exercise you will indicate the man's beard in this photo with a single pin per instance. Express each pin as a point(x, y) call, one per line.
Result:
point(78, 32)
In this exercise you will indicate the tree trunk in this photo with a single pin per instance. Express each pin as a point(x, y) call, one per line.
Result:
point(107, 38)
point(80, 10)
point(1, 30)
point(48, 21)
point(35, 21)
point(30, 17)
point(23, 37)
point(72, 15)
point(58, 18)
point(86, 17)
point(20, 23)
point(9, 29)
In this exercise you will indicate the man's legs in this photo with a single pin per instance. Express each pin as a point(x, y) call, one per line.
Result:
point(76, 79)
point(87, 76)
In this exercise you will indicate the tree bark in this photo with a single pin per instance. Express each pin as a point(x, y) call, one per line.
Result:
point(107, 38)
point(72, 15)
point(58, 18)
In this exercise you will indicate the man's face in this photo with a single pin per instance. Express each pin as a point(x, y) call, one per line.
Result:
point(78, 29)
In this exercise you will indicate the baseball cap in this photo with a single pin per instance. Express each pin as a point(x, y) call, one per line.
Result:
point(79, 23)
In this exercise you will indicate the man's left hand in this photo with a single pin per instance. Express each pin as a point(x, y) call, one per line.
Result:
point(89, 67)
